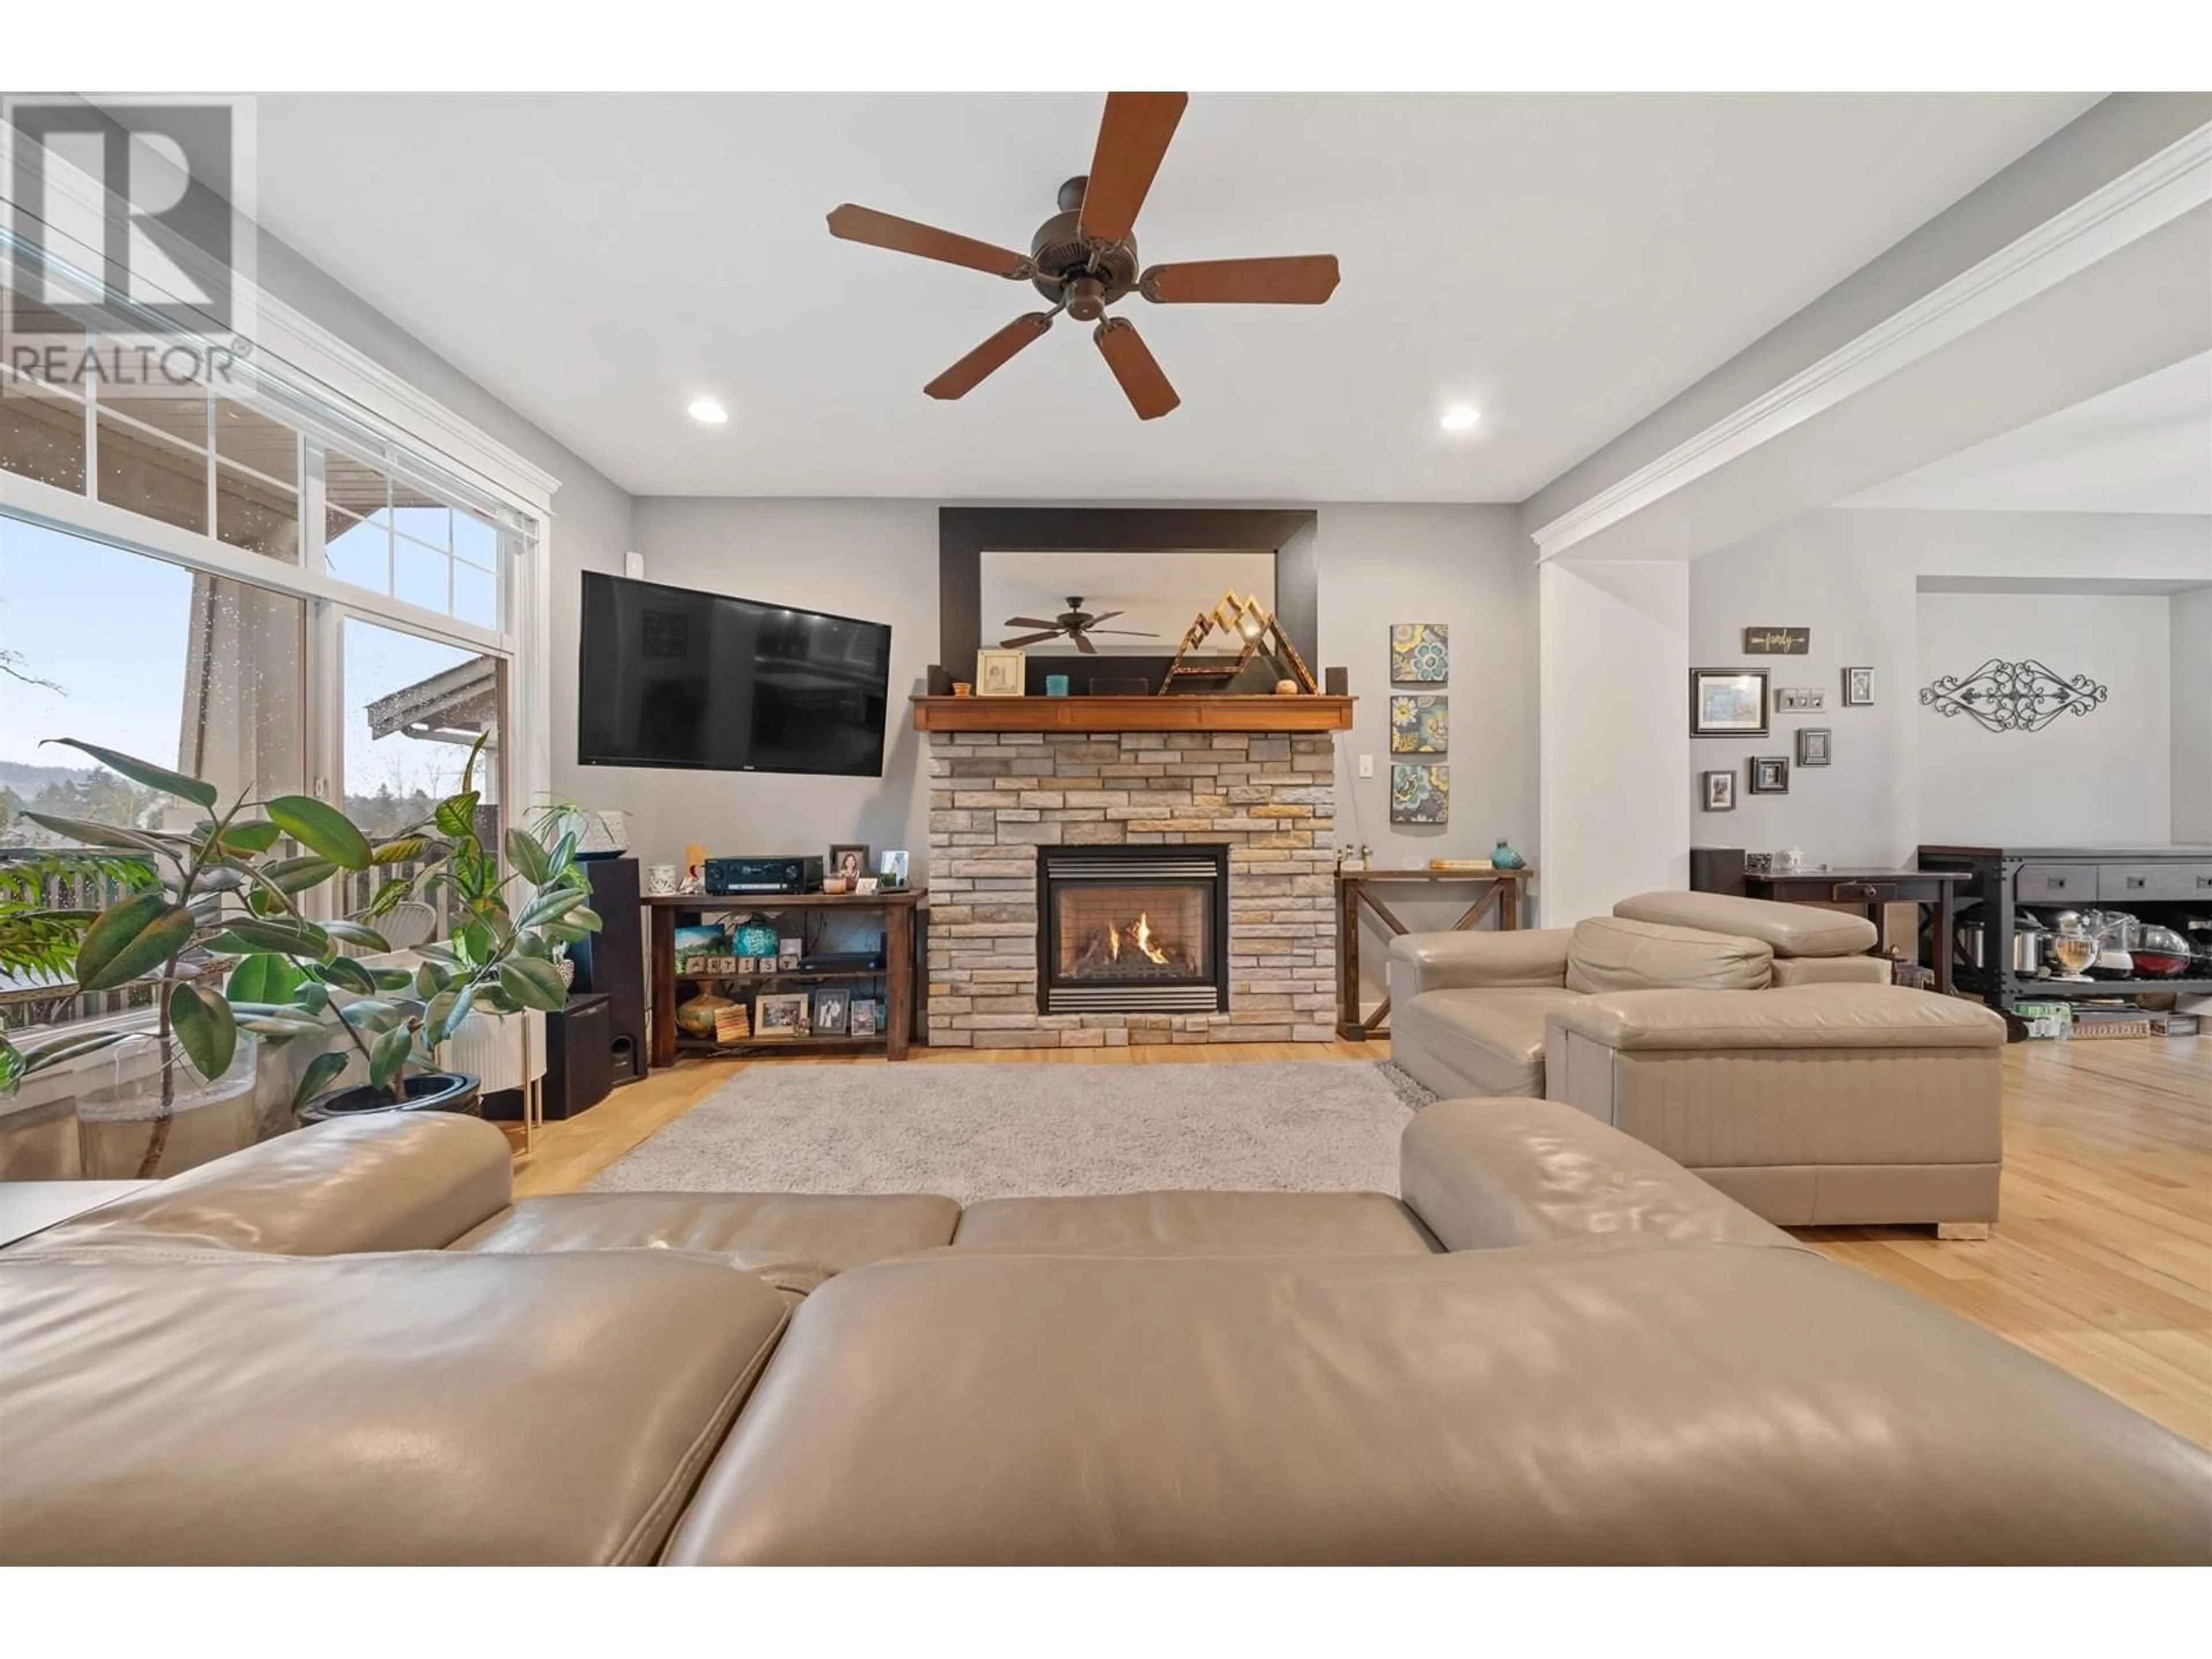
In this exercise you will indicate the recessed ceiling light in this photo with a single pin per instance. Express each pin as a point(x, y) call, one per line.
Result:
point(706, 411)
point(1459, 417)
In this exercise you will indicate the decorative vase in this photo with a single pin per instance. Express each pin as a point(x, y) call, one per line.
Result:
point(119, 1121)
point(661, 880)
point(1055, 685)
point(1502, 857)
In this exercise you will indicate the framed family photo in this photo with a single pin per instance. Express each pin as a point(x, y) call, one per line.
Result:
point(1858, 688)
point(1728, 703)
point(1770, 774)
point(1718, 792)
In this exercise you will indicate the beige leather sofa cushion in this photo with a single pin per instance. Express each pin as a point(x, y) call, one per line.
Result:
point(1608, 954)
point(1831, 970)
point(1793, 930)
point(1798, 1017)
point(1484, 1174)
point(1371, 1223)
point(752, 1230)
point(395, 1181)
point(1671, 1403)
point(1521, 957)
point(421, 1409)
point(1491, 1039)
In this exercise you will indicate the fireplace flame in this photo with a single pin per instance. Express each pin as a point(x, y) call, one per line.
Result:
point(1141, 937)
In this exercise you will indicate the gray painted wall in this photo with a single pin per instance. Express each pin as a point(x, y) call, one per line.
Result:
point(2191, 657)
point(1854, 577)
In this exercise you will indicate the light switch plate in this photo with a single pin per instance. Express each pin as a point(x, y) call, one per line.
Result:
point(1800, 697)
point(1367, 766)
point(633, 566)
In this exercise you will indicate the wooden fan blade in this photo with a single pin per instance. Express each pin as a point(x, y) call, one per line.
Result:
point(1125, 633)
point(1131, 360)
point(1029, 639)
point(1132, 136)
point(1083, 645)
point(1029, 621)
point(1305, 279)
point(964, 376)
point(859, 224)
point(1104, 615)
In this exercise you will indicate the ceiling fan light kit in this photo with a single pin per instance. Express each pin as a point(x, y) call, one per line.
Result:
point(1084, 259)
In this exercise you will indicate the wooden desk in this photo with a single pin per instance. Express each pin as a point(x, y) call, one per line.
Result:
point(1870, 890)
point(897, 909)
point(1500, 897)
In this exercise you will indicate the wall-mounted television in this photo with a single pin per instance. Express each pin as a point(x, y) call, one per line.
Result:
point(673, 676)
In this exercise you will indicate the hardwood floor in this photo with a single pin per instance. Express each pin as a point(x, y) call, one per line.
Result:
point(2102, 1263)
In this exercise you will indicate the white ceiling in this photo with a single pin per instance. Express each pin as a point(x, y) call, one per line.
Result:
point(2142, 447)
point(1565, 264)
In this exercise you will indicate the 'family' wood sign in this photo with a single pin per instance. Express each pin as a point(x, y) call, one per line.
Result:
point(1777, 641)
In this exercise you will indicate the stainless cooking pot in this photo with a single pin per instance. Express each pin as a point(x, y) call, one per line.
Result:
point(2028, 941)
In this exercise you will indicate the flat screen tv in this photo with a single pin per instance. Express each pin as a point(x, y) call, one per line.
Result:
point(671, 677)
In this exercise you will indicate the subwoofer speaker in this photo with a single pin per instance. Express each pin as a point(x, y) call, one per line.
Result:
point(612, 962)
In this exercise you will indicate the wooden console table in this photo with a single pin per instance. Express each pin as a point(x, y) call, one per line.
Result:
point(897, 909)
point(1501, 897)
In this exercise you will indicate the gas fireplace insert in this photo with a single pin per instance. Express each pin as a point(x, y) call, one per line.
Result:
point(1133, 930)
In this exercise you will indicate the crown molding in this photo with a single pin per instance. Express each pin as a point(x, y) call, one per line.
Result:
point(2147, 197)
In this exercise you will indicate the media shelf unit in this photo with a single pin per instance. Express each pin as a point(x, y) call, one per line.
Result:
point(897, 909)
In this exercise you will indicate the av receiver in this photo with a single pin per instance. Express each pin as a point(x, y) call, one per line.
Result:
point(784, 875)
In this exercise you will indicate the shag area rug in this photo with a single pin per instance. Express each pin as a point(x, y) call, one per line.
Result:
point(975, 1132)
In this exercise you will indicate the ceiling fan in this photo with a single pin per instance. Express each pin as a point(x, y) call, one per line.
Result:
point(1076, 622)
point(1084, 258)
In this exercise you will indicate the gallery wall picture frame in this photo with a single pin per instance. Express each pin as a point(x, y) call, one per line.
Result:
point(1420, 654)
point(1420, 794)
point(1716, 792)
point(999, 673)
point(1728, 703)
point(1858, 688)
point(1770, 774)
point(1814, 746)
point(1419, 725)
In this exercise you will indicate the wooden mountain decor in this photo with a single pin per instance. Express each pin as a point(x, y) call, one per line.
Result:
point(1254, 656)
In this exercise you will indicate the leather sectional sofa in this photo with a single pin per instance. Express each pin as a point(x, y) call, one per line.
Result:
point(1755, 1043)
point(352, 1346)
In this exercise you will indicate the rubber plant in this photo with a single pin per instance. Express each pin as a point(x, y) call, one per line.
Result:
point(220, 935)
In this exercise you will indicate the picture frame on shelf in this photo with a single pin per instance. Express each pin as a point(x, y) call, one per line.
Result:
point(1770, 774)
point(833, 1009)
point(1814, 746)
point(1728, 703)
point(893, 871)
point(778, 1015)
point(866, 1018)
point(999, 672)
point(848, 862)
point(1716, 792)
point(1858, 688)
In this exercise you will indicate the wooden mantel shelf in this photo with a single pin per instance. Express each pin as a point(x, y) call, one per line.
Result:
point(1196, 713)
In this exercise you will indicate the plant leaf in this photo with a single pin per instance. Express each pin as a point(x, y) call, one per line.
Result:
point(99, 835)
point(69, 1048)
point(551, 907)
point(349, 976)
point(457, 815)
point(244, 934)
point(354, 933)
point(405, 850)
point(145, 772)
point(391, 979)
point(387, 1054)
point(321, 829)
point(527, 855)
point(281, 1027)
point(11, 1067)
point(205, 1026)
point(321, 1071)
point(264, 976)
point(533, 983)
point(140, 934)
point(297, 875)
point(258, 836)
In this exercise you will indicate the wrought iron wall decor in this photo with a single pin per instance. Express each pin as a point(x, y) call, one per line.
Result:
point(2012, 696)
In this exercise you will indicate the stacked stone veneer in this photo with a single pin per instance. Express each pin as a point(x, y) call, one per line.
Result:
point(996, 797)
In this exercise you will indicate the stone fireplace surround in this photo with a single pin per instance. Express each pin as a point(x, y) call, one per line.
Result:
point(996, 796)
